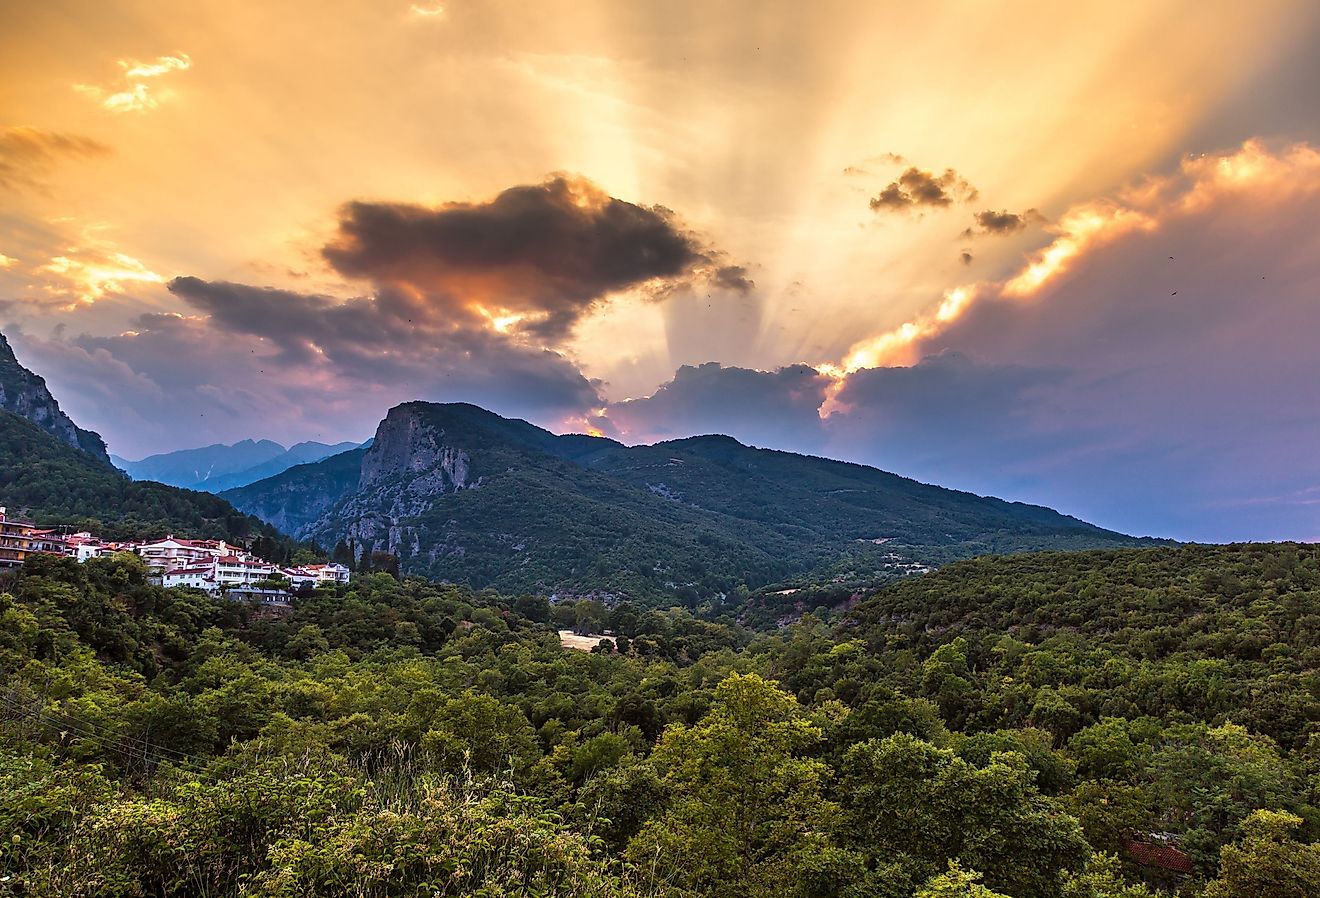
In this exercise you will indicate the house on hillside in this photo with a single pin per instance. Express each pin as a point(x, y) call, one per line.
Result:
point(328, 573)
point(300, 578)
point(21, 539)
point(197, 576)
point(84, 547)
point(171, 552)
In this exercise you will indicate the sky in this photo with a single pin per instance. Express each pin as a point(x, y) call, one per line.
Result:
point(1060, 253)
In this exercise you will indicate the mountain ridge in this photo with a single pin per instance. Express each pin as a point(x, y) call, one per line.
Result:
point(461, 493)
point(222, 466)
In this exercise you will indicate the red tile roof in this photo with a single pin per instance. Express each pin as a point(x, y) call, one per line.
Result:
point(1163, 857)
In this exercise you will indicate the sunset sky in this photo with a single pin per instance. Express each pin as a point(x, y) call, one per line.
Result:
point(1060, 253)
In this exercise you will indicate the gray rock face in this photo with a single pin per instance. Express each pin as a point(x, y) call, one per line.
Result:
point(407, 446)
point(25, 394)
point(408, 466)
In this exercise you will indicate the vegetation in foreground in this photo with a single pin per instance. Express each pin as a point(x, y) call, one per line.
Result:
point(1003, 727)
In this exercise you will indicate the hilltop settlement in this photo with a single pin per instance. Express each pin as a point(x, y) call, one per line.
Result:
point(211, 565)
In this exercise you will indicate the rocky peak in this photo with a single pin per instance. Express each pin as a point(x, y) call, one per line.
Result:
point(25, 394)
point(409, 444)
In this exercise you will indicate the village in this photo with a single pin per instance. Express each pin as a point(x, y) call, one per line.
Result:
point(213, 566)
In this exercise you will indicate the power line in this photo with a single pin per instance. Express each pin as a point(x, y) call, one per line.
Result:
point(17, 706)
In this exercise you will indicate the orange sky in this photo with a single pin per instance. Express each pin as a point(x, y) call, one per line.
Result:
point(142, 142)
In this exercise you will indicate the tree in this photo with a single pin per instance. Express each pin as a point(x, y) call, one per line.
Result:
point(534, 608)
point(589, 615)
point(744, 798)
point(956, 883)
point(1268, 861)
point(343, 554)
point(386, 562)
point(903, 796)
point(482, 733)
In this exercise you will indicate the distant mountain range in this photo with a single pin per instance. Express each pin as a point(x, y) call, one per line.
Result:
point(220, 467)
point(460, 493)
point(56, 473)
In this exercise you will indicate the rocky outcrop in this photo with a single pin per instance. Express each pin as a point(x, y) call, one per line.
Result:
point(411, 462)
point(25, 394)
point(409, 446)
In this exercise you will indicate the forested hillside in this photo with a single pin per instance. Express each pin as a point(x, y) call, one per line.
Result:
point(53, 483)
point(461, 494)
point(1005, 727)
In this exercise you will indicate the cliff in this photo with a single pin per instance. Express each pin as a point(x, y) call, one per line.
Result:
point(25, 394)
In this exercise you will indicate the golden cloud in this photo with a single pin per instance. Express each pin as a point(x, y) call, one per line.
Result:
point(90, 274)
point(134, 95)
point(1253, 172)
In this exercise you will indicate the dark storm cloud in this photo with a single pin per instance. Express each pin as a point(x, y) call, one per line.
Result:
point(27, 153)
point(464, 301)
point(733, 277)
point(1002, 222)
point(916, 188)
point(390, 337)
point(549, 251)
point(942, 404)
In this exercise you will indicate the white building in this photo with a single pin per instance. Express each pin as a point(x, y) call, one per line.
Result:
point(84, 547)
point(237, 570)
point(215, 574)
point(300, 578)
point(199, 577)
point(329, 573)
point(170, 552)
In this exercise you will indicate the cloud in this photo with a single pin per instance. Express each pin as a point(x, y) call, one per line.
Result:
point(389, 338)
point(1002, 222)
point(862, 168)
point(916, 188)
point(537, 256)
point(89, 273)
point(133, 93)
point(767, 408)
point(461, 302)
point(946, 414)
point(733, 277)
point(252, 361)
point(27, 154)
point(1183, 311)
point(965, 257)
point(948, 418)
point(431, 10)
point(1252, 174)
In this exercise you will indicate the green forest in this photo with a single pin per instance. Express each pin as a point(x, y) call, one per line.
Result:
point(1006, 726)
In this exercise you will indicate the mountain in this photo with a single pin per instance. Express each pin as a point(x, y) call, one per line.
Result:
point(51, 482)
point(220, 467)
point(56, 473)
point(460, 493)
point(24, 393)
